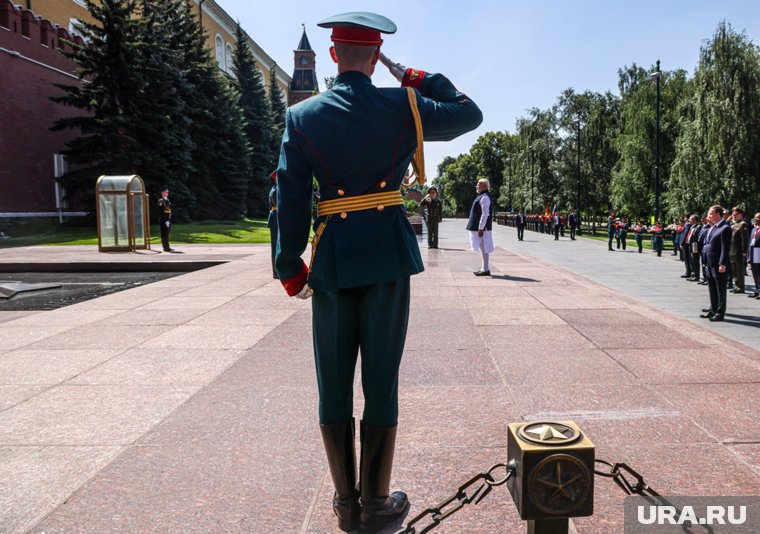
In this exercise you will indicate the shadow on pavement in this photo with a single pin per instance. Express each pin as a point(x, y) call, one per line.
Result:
point(513, 278)
point(745, 320)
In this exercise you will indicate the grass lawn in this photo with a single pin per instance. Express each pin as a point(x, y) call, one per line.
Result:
point(207, 232)
point(647, 243)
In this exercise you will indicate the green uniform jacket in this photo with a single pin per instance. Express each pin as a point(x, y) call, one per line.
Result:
point(358, 138)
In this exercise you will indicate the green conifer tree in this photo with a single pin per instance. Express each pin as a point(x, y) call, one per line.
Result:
point(220, 171)
point(278, 106)
point(258, 124)
point(109, 67)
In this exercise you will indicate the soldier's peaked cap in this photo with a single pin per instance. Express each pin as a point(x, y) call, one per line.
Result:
point(358, 28)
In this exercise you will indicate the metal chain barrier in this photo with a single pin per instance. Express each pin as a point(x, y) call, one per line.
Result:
point(617, 473)
point(467, 493)
point(475, 490)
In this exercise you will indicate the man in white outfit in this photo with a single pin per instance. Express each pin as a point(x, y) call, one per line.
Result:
point(479, 225)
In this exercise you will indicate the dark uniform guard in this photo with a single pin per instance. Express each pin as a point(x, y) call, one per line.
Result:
point(611, 229)
point(658, 235)
point(434, 215)
point(357, 140)
point(165, 218)
point(638, 234)
point(272, 220)
point(520, 222)
point(571, 222)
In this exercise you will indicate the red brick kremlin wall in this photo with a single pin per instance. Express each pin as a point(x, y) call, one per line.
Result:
point(30, 63)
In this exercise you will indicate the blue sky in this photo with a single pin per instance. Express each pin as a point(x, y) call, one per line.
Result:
point(508, 56)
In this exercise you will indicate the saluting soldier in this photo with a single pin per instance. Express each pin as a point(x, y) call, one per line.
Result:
point(357, 140)
point(434, 215)
point(272, 221)
point(165, 218)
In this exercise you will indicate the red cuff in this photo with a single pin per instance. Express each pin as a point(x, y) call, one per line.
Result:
point(295, 284)
point(413, 78)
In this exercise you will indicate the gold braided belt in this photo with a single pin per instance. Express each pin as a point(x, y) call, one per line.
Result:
point(328, 208)
point(343, 206)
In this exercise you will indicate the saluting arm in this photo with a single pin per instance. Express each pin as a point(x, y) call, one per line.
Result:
point(445, 112)
point(294, 195)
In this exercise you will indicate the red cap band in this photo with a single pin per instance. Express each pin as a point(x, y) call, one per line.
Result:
point(355, 36)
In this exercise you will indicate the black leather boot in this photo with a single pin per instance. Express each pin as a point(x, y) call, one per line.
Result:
point(341, 456)
point(379, 506)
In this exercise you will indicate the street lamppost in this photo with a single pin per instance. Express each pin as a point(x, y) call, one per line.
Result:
point(578, 176)
point(509, 185)
point(657, 74)
point(531, 175)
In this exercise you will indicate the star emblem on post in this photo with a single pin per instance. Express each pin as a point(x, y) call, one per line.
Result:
point(549, 433)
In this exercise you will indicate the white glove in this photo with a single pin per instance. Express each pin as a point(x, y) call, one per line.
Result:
point(305, 292)
point(168, 224)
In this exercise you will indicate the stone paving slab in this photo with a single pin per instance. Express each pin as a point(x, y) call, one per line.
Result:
point(209, 425)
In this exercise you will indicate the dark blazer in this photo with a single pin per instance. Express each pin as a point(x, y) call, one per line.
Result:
point(358, 139)
point(682, 236)
point(717, 245)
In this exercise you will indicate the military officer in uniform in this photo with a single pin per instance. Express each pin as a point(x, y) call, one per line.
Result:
point(739, 249)
point(357, 140)
point(165, 218)
point(272, 220)
point(434, 215)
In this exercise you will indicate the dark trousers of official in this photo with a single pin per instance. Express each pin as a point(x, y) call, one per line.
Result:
point(556, 232)
point(165, 235)
point(609, 245)
point(572, 232)
point(520, 233)
point(716, 283)
point(695, 268)
point(687, 262)
point(374, 319)
point(737, 270)
point(640, 244)
point(432, 234)
point(756, 275)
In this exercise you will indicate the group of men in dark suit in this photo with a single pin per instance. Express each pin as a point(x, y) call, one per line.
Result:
point(722, 244)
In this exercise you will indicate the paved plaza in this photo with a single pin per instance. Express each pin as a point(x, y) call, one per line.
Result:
point(189, 405)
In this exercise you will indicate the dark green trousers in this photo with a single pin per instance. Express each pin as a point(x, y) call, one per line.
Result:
point(372, 319)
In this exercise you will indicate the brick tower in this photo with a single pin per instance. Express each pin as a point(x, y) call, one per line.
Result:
point(304, 82)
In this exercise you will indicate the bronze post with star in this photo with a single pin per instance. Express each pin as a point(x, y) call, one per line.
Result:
point(554, 474)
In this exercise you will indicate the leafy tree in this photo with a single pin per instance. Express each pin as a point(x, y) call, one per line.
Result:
point(597, 116)
point(718, 155)
point(160, 119)
point(220, 159)
point(258, 124)
point(633, 177)
point(456, 183)
point(489, 156)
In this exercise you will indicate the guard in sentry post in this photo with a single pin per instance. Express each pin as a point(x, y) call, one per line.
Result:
point(357, 140)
